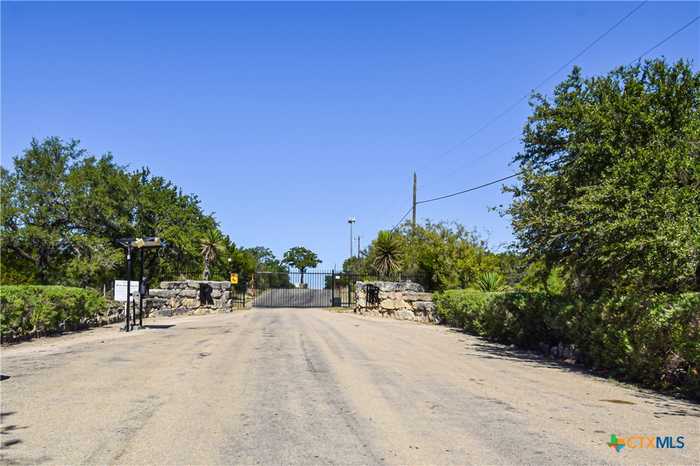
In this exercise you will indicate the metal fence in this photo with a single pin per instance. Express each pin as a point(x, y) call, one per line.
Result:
point(308, 289)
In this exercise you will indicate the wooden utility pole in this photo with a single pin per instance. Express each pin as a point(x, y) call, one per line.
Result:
point(415, 182)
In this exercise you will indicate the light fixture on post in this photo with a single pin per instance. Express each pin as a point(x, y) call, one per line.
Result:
point(351, 220)
point(141, 244)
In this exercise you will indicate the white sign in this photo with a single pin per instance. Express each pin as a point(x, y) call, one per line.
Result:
point(120, 289)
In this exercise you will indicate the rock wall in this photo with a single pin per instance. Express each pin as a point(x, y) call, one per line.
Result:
point(397, 300)
point(184, 297)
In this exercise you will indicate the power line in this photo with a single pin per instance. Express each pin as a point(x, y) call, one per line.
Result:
point(666, 39)
point(544, 81)
point(402, 218)
point(469, 189)
point(659, 44)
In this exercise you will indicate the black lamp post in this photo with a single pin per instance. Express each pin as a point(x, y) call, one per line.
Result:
point(142, 244)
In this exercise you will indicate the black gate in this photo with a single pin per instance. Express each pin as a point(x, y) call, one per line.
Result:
point(307, 289)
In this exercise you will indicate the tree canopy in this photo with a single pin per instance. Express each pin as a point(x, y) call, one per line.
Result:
point(610, 189)
point(301, 258)
point(62, 210)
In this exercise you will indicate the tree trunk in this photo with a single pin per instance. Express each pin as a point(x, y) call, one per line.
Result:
point(205, 272)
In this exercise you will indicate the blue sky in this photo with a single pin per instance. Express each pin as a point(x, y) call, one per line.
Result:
point(307, 113)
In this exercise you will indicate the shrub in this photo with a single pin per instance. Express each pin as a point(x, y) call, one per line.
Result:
point(463, 309)
point(29, 310)
point(653, 340)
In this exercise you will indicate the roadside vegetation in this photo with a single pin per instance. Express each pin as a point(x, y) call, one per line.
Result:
point(62, 211)
point(31, 310)
point(606, 215)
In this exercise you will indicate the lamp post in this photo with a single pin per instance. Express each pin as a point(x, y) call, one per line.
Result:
point(351, 220)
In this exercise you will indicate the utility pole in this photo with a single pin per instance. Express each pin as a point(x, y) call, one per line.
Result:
point(358, 246)
point(415, 183)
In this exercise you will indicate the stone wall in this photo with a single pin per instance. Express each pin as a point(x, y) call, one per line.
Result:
point(397, 300)
point(183, 297)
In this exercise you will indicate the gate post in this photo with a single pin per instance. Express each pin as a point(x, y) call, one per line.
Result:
point(333, 288)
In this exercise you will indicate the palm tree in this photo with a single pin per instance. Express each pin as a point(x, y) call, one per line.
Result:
point(387, 253)
point(212, 246)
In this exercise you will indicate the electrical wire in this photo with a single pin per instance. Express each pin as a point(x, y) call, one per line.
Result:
point(438, 198)
point(464, 191)
point(670, 36)
point(657, 45)
point(401, 220)
point(543, 82)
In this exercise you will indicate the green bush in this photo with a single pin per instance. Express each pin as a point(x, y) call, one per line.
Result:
point(523, 318)
point(463, 309)
point(652, 340)
point(29, 310)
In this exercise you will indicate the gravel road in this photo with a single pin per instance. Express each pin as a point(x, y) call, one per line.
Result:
point(308, 386)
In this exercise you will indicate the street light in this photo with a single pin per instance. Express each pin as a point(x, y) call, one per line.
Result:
point(351, 220)
point(139, 244)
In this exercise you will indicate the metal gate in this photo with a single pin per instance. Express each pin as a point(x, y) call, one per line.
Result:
point(307, 289)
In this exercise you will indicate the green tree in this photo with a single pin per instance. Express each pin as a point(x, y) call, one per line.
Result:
point(37, 221)
point(62, 210)
point(610, 188)
point(356, 266)
point(301, 258)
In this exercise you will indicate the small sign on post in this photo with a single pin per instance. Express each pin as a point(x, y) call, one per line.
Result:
point(234, 278)
point(120, 289)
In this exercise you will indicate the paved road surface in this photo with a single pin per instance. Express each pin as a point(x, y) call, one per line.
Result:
point(308, 386)
point(294, 297)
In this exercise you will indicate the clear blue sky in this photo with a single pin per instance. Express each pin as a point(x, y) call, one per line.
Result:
point(308, 113)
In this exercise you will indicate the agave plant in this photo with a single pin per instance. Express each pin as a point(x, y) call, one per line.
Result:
point(490, 281)
point(387, 253)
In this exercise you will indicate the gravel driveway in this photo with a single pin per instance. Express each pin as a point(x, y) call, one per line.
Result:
point(308, 386)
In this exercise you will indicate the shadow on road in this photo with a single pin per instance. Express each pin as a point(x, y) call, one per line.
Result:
point(8, 429)
point(667, 403)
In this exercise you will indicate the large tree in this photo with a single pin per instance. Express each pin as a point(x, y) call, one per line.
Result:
point(610, 188)
point(301, 258)
point(36, 217)
point(63, 209)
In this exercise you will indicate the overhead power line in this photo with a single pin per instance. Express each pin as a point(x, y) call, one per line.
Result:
point(433, 199)
point(543, 82)
point(402, 219)
point(666, 39)
point(657, 45)
point(651, 49)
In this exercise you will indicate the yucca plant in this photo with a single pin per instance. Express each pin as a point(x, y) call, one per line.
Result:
point(212, 246)
point(490, 281)
point(387, 253)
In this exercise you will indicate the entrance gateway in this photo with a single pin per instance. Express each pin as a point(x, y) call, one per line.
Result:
point(307, 289)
